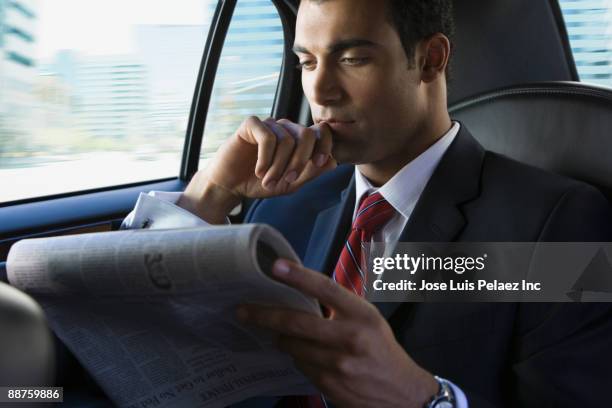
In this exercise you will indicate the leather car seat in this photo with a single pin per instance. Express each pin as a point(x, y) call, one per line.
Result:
point(563, 127)
point(27, 351)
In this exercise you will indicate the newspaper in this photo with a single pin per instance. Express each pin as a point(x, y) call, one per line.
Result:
point(150, 313)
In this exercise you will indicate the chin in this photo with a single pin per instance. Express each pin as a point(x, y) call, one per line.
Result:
point(342, 154)
point(349, 157)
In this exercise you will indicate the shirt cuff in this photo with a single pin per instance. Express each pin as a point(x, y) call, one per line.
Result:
point(158, 210)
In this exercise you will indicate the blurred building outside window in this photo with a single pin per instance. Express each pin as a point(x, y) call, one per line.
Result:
point(97, 93)
point(589, 27)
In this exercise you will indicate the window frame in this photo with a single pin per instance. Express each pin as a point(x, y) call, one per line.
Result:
point(288, 99)
point(204, 86)
point(555, 7)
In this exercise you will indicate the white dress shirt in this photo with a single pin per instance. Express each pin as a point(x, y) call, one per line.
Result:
point(404, 189)
point(157, 210)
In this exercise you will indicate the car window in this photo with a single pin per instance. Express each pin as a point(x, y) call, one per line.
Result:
point(95, 93)
point(589, 26)
point(248, 72)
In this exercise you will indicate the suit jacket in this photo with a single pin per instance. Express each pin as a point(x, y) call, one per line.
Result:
point(500, 354)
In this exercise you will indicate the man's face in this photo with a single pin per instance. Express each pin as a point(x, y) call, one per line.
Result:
point(356, 77)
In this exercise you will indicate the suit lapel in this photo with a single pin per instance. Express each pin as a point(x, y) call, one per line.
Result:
point(329, 232)
point(437, 216)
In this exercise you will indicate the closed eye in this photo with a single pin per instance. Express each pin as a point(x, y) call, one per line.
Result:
point(354, 62)
point(307, 65)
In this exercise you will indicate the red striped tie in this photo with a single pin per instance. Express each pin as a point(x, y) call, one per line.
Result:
point(373, 213)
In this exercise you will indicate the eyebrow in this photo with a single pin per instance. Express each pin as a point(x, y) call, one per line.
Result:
point(339, 46)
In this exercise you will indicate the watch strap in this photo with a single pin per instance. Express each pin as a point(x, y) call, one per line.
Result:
point(445, 398)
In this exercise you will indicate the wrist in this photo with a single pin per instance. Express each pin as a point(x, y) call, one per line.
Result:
point(445, 397)
point(425, 390)
point(209, 201)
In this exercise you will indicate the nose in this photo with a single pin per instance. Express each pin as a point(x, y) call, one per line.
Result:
point(325, 88)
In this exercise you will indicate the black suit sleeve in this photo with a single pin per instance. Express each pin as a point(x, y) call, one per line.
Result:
point(564, 360)
point(581, 215)
point(563, 352)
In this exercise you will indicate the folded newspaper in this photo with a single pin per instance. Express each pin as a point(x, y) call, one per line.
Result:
point(150, 313)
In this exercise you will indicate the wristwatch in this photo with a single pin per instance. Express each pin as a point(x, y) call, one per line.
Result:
point(445, 398)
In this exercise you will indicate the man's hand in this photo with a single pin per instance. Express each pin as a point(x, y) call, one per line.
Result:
point(262, 159)
point(353, 357)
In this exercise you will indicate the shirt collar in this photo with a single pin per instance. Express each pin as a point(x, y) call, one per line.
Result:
point(403, 190)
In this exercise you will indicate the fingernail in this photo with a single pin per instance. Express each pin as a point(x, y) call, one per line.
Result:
point(281, 268)
point(291, 177)
point(271, 184)
point(242, 314)
point(320, 160)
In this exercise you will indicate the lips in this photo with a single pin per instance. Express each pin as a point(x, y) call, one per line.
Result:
point(342, 128)
point(339, 126)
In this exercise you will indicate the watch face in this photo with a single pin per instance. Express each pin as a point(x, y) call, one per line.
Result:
point(444, 404)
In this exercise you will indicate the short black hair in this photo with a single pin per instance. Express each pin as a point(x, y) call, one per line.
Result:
point(417, 20)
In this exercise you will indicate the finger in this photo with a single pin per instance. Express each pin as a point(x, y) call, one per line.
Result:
point(321, 154)
point(278, 130)
point(311, 171)
point(323, 148)
point(294, 323)
point(285, 147)
point(255, 132)
point(291, 127)
point(321, 287)
point(306, 139)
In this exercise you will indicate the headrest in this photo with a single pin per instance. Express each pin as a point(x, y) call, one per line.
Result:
point(563, 127)
point(27, 350)
point(508, 42)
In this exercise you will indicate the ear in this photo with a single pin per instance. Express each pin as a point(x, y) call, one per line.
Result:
point(435, 55)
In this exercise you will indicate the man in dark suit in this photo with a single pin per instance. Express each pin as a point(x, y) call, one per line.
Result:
point(375, 76)
point(499, 354)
